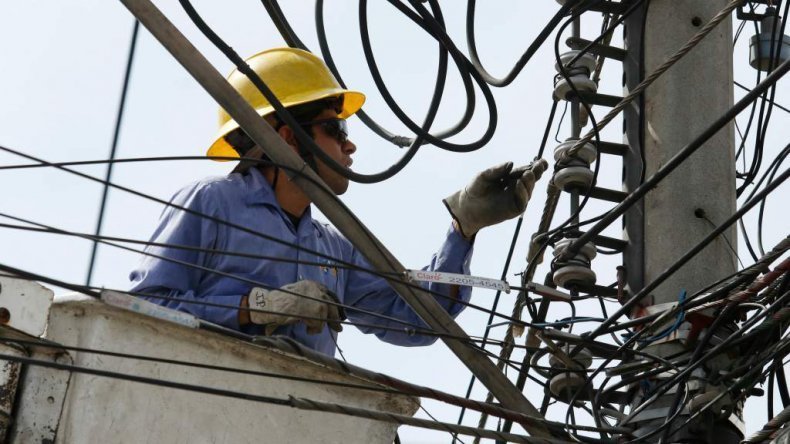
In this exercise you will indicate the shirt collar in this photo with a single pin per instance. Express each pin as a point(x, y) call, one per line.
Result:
point(260, 192)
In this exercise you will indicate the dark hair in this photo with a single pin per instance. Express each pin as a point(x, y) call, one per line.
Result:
point(305, 112)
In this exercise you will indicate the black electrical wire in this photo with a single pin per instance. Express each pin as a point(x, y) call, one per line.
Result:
point(291, 401)
point(54, 345)
point(765, 111)
point(494, 306)
point(95, 293)
point(678, 159)
point(466, 78)
point(776, 105)
point(531, 50)
point(282, 25)
point(773, 169)
point(620, 312)
point(400, 141)
point(114, 146)
point(436, 30)
point(512, 248)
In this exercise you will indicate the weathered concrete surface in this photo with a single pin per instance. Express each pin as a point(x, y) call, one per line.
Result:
point(678, 107)
point(105, 410)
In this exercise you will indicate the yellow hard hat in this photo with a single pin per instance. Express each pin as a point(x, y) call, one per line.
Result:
point(295, 76)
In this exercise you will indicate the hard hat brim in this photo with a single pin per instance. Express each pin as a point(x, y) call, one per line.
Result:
point(352, 102)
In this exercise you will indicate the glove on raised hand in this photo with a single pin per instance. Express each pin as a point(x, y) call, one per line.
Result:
point(495, 195)
point(288, 306)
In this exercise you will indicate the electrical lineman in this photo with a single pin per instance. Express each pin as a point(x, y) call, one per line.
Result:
point(313, 271)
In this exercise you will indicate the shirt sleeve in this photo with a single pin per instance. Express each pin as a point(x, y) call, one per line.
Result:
point(372, 293)
point(175, 273)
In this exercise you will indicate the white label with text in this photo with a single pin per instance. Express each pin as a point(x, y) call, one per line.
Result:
point(458, 279)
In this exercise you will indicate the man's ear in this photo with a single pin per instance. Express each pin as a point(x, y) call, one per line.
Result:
point(288, 136)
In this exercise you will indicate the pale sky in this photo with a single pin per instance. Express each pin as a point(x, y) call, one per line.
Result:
point(63, 65)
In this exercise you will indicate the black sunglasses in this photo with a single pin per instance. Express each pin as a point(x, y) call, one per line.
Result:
point(334, 127)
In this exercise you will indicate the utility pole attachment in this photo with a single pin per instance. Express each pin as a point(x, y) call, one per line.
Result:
point(689, 204)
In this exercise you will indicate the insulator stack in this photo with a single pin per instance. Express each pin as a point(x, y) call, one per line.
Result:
point(565, 382)
point(574, 272)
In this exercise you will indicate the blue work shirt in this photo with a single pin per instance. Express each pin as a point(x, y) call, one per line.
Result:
point(248, 201)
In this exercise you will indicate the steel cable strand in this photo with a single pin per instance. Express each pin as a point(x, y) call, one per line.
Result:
point(770, 428)
point(637, 91)
point(677, 159)
point(598, 331)
point(531, 50)
point(755, 287)
point(510, 254)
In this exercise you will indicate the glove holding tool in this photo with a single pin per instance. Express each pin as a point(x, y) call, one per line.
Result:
point(495, 195)
point(287, 306)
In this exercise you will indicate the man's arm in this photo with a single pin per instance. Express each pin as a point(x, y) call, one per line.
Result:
point(372, 293)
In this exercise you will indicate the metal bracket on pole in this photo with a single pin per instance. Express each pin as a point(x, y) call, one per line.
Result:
point(342, 218)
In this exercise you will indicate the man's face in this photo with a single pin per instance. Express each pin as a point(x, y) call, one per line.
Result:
point(339, 151)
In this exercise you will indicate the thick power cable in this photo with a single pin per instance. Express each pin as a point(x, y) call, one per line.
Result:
point(263, 135)
point(400, 141)
point(510, 253)
point(114, 147)
point(531, 50)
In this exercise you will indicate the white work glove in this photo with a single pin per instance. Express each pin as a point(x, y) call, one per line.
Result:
point(495, 195)
point(287, 306)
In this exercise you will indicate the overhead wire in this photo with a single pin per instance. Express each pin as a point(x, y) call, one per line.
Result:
point(418, 329)
point(236, 226)
point(113, 147)
point(291, 401)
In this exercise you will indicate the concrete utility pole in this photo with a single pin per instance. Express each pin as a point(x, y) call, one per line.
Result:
point(697, 196)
